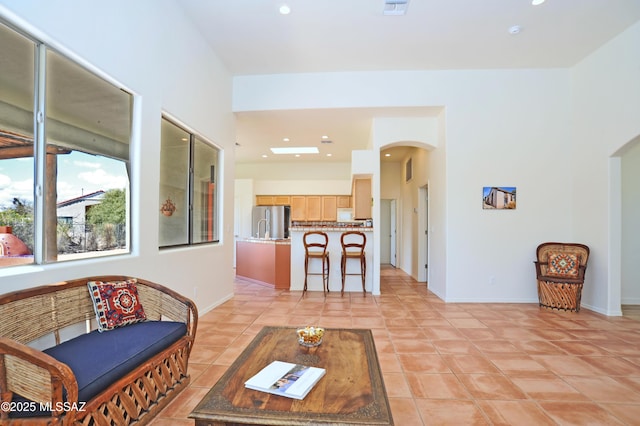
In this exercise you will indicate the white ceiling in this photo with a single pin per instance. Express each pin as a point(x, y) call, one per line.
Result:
point(251, 37)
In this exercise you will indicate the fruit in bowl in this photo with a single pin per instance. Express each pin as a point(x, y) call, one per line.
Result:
point(310, 336)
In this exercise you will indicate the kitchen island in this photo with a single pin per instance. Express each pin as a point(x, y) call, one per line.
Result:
point(267, 261)
point(353, 283)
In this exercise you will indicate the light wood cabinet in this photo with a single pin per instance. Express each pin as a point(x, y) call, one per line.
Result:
point(298, 207)
point(343, 201)
point(273, 200)
point(282, 200)
point(308, 207)
point(265, 200)
point(362, 198)
point(313, 207)
point(329, 206)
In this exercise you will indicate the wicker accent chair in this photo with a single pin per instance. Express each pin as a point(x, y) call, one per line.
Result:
point(560, 270)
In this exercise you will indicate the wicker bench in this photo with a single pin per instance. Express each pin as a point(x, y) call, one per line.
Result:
point(100, 381)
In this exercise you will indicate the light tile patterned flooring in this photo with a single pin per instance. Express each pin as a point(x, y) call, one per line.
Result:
point(448, 364)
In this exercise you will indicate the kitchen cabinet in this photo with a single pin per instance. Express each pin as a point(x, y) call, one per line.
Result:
point(343, 201)
point(265, 200)
point(265, 261)
point(308, 207)
point(362, 198)
point(313, 207)
point(298, 207)
point(329, 206)
point(273, 200)
point(281, 200)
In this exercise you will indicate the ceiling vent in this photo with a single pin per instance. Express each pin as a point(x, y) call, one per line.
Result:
point(395, 7)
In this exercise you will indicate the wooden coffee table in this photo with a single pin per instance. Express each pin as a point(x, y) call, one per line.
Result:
point(351, 392)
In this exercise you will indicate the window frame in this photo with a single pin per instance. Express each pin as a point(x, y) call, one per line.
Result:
point(42, 232)
point(194, 138)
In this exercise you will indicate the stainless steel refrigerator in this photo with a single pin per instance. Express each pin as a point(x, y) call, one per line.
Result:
point(270, 222)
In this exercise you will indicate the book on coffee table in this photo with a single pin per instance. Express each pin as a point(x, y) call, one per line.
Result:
point(286, 379)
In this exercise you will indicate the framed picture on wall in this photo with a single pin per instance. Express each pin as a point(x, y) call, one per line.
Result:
point(408, 170)
point(499, 197)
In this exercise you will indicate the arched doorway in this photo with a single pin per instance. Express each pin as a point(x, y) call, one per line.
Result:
point(404, 176)
point(628, 160)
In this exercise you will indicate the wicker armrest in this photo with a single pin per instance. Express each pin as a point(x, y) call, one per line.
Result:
point(34, 375)
point(578, 279)
point(169, 304)
point(541, 274)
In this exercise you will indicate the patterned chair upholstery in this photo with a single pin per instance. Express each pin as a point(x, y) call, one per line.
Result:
point(560, 270)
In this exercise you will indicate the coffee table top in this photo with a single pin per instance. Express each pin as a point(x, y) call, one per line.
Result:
point(351, 392)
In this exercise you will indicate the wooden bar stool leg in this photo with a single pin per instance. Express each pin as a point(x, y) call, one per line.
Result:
point(306, 272)
point(325, 273)
point(343, 263)
point(363, 269)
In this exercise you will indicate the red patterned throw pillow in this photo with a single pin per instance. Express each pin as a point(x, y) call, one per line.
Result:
point(116, 303)
point(563, 265)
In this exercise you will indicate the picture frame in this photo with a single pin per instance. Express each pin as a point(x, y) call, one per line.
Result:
point(408, 170)
point(499, 197)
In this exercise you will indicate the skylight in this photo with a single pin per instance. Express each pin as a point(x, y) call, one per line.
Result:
point(296, 150)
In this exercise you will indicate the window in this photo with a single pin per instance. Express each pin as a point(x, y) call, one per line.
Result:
point(188, 176)
point(64, 177)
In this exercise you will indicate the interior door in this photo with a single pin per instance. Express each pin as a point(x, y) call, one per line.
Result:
point(385, 232)
point(393, 233)
point(423, 235)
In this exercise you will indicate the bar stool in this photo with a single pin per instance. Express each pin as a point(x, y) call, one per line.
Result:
point(315, 247)
point(353, 243)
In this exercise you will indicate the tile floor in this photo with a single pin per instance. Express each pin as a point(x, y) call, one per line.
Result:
point(449, 364)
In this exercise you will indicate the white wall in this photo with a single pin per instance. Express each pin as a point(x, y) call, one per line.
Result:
point(500, 128)
point(294, 171)
point(437, 278)
point(149, 48)
point(296, 178)
point(606, 106)
point(390, 176)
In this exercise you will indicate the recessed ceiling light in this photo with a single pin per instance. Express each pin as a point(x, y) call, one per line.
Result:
point(387, 155)
point(329, 155)
point(325, 137)
point(285, 139)
point(297, 155)
point(537, 2)
point(395, 7)
point(515, 30)
point(285, 10)
point(296, 150)
point(264, 155)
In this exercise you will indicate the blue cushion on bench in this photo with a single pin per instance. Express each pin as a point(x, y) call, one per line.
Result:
point(99, 359)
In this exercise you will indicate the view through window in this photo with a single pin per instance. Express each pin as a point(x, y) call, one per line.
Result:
point(78, 153)
point(188, 177)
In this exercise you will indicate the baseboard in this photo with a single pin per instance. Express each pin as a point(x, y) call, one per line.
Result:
point(201, 312)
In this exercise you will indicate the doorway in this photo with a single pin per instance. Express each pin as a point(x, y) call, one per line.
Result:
point(423, 234)
point(388, 232)
point(630, 229)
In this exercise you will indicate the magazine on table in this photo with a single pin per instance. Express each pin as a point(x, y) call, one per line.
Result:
point(286, 379)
